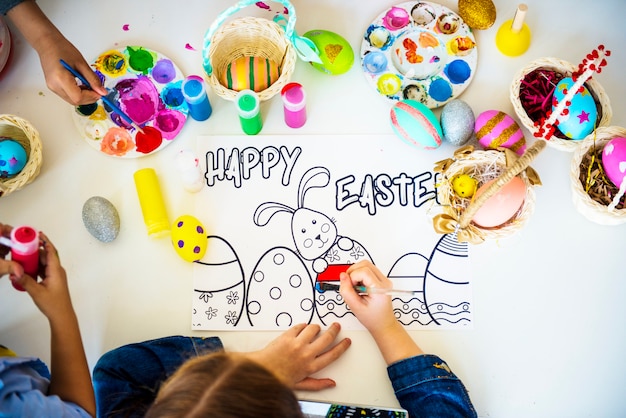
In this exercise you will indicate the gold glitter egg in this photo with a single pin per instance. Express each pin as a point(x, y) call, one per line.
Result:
point(477, 14)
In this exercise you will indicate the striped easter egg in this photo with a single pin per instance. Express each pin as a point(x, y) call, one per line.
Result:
point(416, 124)
point(497, 129)
point(250, 73)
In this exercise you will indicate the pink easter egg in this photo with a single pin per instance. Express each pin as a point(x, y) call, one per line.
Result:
point(497, 129)
point(614, 160)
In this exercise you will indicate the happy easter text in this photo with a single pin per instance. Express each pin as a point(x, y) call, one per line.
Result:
point(370, 192)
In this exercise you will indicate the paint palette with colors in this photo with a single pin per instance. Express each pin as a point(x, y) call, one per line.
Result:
point(421, 51)
point(146, 85)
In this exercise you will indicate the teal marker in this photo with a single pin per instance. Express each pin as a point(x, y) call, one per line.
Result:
point(249, 107)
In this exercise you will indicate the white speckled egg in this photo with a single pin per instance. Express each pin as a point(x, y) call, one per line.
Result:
point(189, 238)
point(581, 115)
point(101, 219)
point(457, 122)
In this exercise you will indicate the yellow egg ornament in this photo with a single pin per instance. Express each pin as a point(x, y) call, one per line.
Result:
point(189, 238)
point(464, 185)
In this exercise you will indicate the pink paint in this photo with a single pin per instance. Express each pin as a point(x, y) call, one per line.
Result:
point(138, 98)
point(262, 5)
point(189, 47)
point(126, 27)
point(169, 122)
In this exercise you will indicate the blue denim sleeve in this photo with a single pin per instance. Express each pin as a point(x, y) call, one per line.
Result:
point(127, 379)
point(6, 5)
point(426, 387)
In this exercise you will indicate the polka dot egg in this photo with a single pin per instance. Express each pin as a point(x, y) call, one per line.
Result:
point(189, 238)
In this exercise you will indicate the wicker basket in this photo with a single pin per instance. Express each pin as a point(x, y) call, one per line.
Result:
point(566, 69)
point(26, 135)
point(457, 215)
point(590, 208)
point(225, 42)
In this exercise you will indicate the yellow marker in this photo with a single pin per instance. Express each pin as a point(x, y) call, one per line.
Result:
point(513, 37)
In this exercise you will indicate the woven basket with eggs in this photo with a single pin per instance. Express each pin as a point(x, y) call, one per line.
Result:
point(19, 133)
point(499, 199)
point(535, 92)
point(597, 172)
point(249, 53)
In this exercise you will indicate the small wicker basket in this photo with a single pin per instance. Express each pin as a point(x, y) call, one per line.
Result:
point(457, 216)
point(566, 69)
point(225, 42)
point(591, 208)
point(27, 136)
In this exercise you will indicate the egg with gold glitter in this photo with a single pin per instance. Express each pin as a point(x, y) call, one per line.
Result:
point(464, 185)
point(335, 51)
point(189, 238)
point(496, 129)
point(478, 14)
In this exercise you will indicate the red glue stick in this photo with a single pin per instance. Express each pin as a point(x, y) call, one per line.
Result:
point(25, 250)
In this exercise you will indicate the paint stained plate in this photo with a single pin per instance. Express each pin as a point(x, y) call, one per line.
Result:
point(421, 51)
point(146, 85)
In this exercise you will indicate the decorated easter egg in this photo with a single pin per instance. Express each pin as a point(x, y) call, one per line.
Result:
point(478, 14)
point(13, 158)
point(502, 206)
point(497, 129)
point(335, 52)
point(250, 73)
point(457, 122)
point(614, 160)
point(464, 185)
point(416, 124)
point(580, 116)
point(189, 238)
point(101, 219)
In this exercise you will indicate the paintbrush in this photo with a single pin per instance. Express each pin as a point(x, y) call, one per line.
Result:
point(364, 290)
point(105, 99)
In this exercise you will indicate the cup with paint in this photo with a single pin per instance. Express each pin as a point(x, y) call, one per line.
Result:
point(294, 104)
point(249, 108)
point(151, 202)
point(196, 97)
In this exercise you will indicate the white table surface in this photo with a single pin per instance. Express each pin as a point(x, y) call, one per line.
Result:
point(548, 338)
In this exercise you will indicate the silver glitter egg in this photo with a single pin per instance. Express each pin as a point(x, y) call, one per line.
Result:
point(457, 122)
point(101, 219)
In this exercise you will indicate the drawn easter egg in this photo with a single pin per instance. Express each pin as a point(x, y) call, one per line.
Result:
point(250, 73)
point(280, 291)
point(614, 160)
point(497, 129)
point(478, 14)
point(13, 158)
point(219, 287)
point(580, 116)
point(189, 238)
point(457, 122)
point(416, 124)
point(447, 292)
point(101, 219)
point(408, 272)
point(335, 51)
point(502, 206)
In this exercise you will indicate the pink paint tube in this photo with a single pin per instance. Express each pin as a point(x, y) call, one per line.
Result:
point(25, 250)
point(294, 103)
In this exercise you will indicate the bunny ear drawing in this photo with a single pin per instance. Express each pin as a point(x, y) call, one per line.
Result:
point(314, 177)
point(265, 211)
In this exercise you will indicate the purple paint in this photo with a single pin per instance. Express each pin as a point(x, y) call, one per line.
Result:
point(164, 71)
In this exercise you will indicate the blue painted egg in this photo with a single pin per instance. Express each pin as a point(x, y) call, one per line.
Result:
point(580, 119)
point(416, 124)
point(13, 158)
point(189, 238)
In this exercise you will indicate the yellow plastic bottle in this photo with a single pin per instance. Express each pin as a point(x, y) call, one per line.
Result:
point(152, 204)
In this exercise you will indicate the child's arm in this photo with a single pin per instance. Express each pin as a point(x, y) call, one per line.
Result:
point(70, 377)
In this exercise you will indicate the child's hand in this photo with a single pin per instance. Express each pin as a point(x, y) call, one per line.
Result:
point(13, 269)
point(51, 294)
point(300, 352)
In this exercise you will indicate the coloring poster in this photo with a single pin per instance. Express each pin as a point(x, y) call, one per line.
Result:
point(285, 212)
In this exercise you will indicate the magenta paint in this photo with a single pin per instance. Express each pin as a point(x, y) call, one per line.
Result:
point(138, 98)
point(294, 104)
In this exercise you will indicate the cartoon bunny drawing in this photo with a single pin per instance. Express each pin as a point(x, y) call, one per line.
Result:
point(317, 241)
